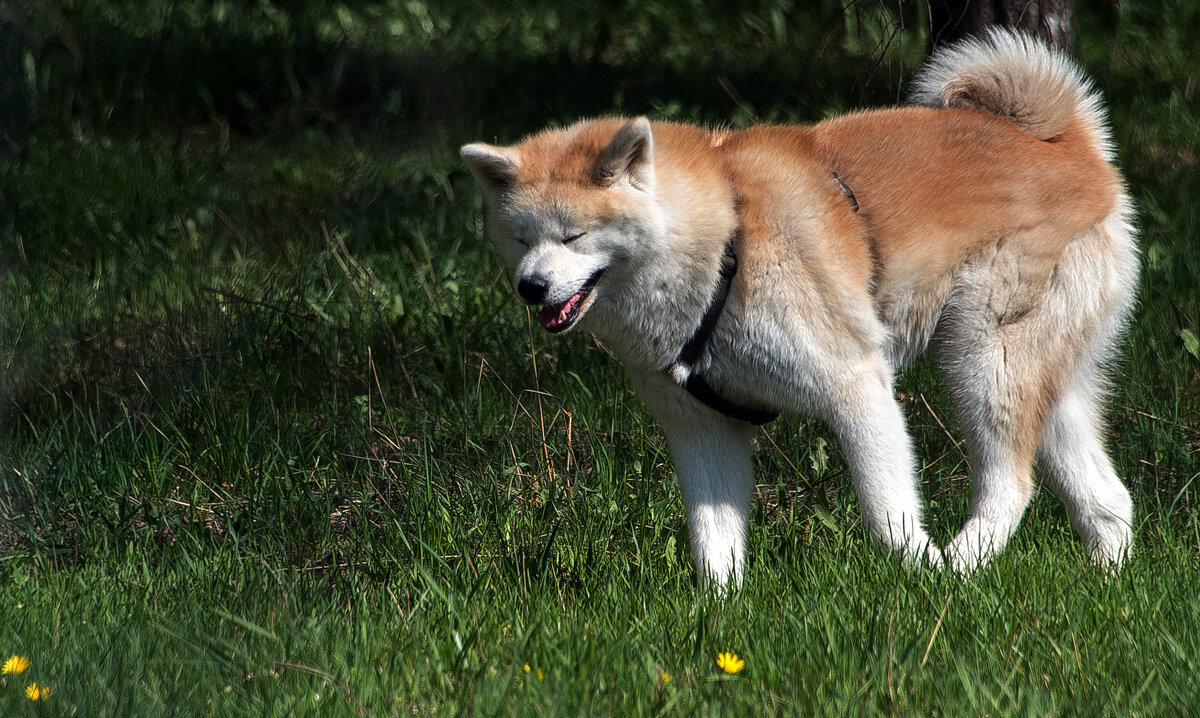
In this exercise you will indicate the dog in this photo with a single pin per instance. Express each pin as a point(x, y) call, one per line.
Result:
point(738, 274)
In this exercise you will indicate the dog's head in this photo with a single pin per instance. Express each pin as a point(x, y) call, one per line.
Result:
point(566, 208)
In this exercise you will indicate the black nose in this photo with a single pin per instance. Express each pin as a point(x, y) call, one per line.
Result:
point(532, 289)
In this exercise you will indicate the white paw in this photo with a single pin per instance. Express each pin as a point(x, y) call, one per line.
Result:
point(1110, 543)
point(975, 545)
point(924, 553)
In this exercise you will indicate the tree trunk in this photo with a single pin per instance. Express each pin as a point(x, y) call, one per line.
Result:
point(952, 20)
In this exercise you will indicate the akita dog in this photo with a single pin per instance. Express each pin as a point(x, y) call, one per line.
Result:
point(797, 268)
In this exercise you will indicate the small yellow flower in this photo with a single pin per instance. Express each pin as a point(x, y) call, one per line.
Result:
point(664, 678)
point(540, 674)
point(730, 662)
point(16, 664)
point(526, 667)
point(35, 692)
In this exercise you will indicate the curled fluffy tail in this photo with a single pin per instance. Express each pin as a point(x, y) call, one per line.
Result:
point(1019, 78)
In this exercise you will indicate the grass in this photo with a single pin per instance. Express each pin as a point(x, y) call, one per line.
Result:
point(277, 439)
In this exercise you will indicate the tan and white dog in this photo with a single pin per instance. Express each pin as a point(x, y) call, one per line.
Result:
point(798, 268)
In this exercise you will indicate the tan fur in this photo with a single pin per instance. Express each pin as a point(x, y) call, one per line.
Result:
point(991, 223)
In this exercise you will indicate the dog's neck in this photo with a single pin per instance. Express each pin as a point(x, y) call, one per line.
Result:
point(672, 286)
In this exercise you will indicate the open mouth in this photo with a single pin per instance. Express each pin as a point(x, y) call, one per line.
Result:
point(556, 318)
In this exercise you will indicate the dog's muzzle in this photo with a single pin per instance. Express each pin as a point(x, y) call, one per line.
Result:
point(561, 316)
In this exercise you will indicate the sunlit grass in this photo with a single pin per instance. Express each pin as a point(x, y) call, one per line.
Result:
point(272, 440)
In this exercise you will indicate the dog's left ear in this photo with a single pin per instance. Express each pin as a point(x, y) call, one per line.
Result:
point(629, 157)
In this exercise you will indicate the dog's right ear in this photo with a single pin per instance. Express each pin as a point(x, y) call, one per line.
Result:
point(629, 157)
point(495, 168)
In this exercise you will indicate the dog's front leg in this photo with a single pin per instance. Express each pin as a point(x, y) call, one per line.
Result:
point(872, 434)
point(713, 458)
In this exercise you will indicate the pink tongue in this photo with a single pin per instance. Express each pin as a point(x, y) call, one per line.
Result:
point(548, 317)
point(552, 316)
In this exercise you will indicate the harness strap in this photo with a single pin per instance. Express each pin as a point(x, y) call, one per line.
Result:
point(694, 383)
point(846, 191)
point(681, 368)
point(706, 395)
point(694, 346)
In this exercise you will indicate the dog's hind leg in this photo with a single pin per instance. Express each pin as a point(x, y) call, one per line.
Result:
point(1005, 355)
point(1075, 466)
point(713, 458)
point(1002, 404)
point(1098, 272)
point(1024, 361)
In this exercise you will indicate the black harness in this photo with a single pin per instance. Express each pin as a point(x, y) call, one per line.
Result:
point(695, 383)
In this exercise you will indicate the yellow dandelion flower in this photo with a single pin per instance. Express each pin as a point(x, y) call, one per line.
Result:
point(35, 692)
point(730, 662)
point(526, 667)
point(16, 664)
point(540, 674)
point(664, 677)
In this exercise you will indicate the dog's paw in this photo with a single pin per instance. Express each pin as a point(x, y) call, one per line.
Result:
point(923, 555)
point(933, 556)
point(1110, 548)
point(974, 546)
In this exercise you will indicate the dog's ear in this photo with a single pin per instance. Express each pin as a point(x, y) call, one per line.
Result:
point(629, 157)
point(495, 168)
